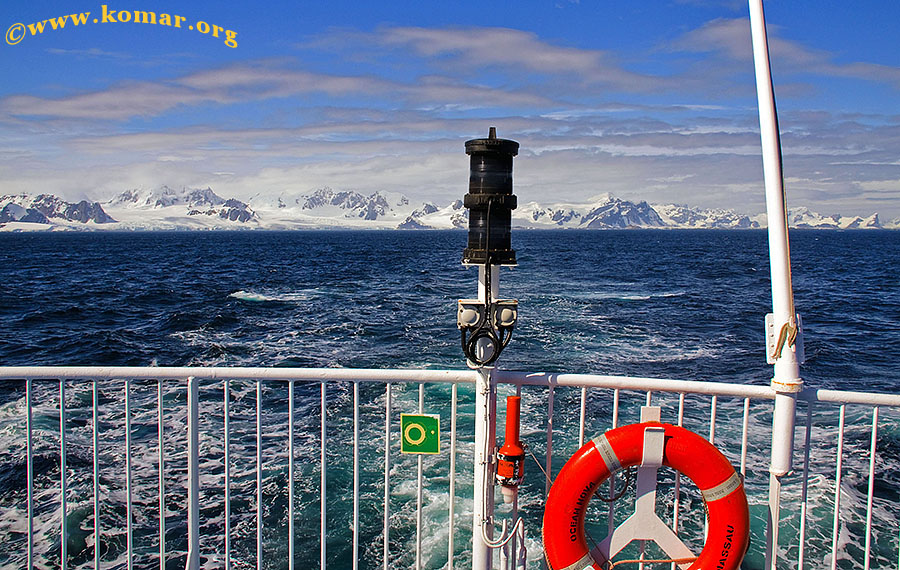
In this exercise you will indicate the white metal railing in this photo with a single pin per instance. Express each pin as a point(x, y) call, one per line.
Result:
point(576, 409)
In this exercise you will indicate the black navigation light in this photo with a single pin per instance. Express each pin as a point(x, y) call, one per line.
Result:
point(486, 324)
point(490, 200)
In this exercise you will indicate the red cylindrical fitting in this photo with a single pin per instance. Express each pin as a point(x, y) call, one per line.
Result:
point(511, 457)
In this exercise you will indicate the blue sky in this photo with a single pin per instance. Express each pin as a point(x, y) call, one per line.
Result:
point(646, 100)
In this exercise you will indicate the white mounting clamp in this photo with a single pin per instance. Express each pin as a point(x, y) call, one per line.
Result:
point(645, 524)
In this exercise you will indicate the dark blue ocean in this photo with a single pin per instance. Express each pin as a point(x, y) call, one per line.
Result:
point(674, 304)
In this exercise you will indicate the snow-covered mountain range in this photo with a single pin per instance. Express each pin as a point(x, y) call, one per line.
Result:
point(167, 207)
point(47, 209)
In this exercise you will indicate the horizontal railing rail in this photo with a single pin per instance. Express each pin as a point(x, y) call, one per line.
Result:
point(440, 376)
point(251, 433)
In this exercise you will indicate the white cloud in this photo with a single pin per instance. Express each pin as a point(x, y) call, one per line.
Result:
point(730, 39)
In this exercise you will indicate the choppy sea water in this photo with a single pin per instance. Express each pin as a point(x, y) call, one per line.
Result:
point(674, 304)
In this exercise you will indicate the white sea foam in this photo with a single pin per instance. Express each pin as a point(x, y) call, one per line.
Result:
point(254, 297)
point(624, 295)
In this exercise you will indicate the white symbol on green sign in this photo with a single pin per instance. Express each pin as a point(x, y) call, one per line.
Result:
point(420, 433)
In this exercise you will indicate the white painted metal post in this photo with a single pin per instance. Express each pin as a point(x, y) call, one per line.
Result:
point(129, 533)
point(495, 283)
point(193, 557)
point(63, 531)
point(323, 479)
point(96, 478)
point(226, 411)
point(259, 492)
point(786, 379)
point(290, 489)
point(387, 476)
point(839, 470)
point(485, 432)
point(451, 515)
point(160, 427)
point(548, 461)
point(485, 423)
point(29, 446)
point(419, 484)
point(871, 497)
point(355, 475)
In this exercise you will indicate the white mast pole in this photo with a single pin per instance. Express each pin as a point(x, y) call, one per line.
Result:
point(784, 329)
point(485, 434)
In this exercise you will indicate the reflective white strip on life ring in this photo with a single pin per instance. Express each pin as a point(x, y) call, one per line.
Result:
point(723, 489)
point(606, 452)
point(584, 563)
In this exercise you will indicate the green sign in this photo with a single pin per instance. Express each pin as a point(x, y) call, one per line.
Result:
point(420, 433)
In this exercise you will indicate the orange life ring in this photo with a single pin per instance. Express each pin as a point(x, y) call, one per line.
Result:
point(565, 546)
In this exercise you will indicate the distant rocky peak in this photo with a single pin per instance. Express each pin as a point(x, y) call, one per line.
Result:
point(165, 196)
point(203, 197)
point(44, 208)
point(354, 204)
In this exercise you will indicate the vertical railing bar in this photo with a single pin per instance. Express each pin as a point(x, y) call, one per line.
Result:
point(804, 489)
point(387, 477)
point(712, 440)
point(129, 537)
point(643, 543)
point(745, 428)
point(615, 413)
point(419, 488)
point(516, 543)
point(259, 497)
point(453, 404)
point(837, 489)
point(29, 447)
point(95, 400)
point(290, 489)
point(162, 478)
point(322, 479)
point(355, 475)
point(193, 479)
point(581, 418)
point(612, 479)
point(871, 488)
point(549, 458)
point(504, 550)
point(677, 502)
point(226, 389)
point(63, 535)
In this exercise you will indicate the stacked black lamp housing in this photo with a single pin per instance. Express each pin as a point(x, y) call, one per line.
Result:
point(486, 324)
